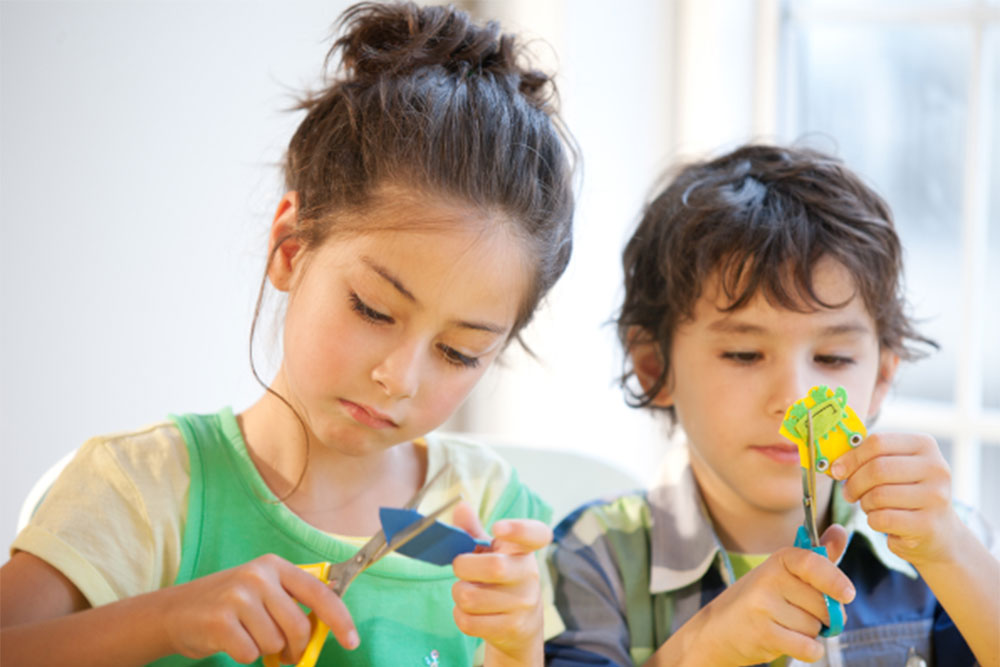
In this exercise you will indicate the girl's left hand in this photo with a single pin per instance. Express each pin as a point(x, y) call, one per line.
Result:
point(904, 486)
point(498, 596)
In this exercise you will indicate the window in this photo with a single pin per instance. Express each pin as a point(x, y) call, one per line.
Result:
point(907, 94)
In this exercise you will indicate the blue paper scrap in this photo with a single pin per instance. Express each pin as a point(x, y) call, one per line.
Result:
point(438, 543)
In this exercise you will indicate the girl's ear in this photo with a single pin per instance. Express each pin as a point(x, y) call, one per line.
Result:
point(887, 365)
point(647, 362)
point(284, 247)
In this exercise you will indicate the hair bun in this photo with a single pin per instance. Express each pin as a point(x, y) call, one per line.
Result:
point(396, 39)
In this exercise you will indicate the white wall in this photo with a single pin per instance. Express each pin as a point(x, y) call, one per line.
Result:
point(137, 181)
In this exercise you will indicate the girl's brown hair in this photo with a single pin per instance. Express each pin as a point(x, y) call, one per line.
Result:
point(425, 98)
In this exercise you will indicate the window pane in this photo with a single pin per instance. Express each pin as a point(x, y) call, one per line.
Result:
point(991, 372)
point(891, 101)
point(989, 489)
point(882, 4)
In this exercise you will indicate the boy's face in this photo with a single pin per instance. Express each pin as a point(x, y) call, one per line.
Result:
point(733, 376)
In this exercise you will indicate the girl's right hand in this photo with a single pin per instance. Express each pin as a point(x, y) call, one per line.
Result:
point(251, 610)
point(776, 609)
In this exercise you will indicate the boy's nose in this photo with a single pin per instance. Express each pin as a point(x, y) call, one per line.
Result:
point(790, 383)
point(398, 373)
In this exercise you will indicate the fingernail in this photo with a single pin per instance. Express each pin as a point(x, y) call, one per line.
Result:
point(353, 641)
point(838, 470)
point(849, 593)
point(501, 528)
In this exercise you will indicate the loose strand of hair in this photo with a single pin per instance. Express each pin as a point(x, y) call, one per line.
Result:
point(253, 369)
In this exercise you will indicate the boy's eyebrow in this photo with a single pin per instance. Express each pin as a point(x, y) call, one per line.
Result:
point(727, 325)
point(398, 284)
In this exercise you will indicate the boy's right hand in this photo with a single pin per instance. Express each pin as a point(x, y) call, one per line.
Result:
point(251, 610)
point(776, 609)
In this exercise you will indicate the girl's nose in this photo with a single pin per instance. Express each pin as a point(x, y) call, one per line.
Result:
point(399, 372)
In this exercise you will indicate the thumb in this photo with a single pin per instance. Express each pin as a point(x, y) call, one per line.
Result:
point(467, 519)
point(834, 539)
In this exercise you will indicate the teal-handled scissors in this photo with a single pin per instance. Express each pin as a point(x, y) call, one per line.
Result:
point(807, 536)
point(343, 573)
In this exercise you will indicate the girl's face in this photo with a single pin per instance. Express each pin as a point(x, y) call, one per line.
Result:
point(387, 331)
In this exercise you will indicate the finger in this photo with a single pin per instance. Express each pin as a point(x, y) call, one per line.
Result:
point(293, 624)
point(875, 445)
point(898, 496)
point(834, 539)
point(888, 469)
point(498, 627)
point(804, 647)
point(262, 628)
point(328, 606)
point(818, 572)
point(467, 519)
point(474, 598)
point(896, 522)
point(495, 568)
point(803, 609)
point(520, 536)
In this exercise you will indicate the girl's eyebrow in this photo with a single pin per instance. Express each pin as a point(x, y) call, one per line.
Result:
point(398, 284)
point(393, 280)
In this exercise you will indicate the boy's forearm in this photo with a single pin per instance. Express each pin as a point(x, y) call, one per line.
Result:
point(969, 590)
point(129, 632)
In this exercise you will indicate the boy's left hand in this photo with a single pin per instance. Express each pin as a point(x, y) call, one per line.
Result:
point(904, 486)
point(498, 596)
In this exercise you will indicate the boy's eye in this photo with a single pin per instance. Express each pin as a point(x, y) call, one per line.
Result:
point(367, 312)
point(833, 360)
point(453, 356)
point(742, 357)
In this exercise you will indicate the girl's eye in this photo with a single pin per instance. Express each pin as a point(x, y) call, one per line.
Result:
point(456, 358)
point(833, 360)
point(742, 357)
point(367, 312)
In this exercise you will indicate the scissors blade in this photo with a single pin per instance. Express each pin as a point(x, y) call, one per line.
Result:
point(809, 484)
point(344, 573)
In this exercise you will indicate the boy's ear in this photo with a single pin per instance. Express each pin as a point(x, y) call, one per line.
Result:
point(647, 362)
point(284, 248)
point(887, 365)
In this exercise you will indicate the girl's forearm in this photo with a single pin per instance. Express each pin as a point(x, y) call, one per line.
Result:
point(969, 590)
point(129, 632)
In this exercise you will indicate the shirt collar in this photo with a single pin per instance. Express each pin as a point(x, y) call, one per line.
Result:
point(684, 544)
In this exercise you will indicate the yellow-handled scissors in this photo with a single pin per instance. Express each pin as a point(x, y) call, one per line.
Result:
point(345, 572)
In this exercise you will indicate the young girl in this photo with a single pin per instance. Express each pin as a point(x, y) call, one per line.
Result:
point(428, 210)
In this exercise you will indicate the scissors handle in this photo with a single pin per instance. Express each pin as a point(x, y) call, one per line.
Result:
point(319, 629)
point(833, 608)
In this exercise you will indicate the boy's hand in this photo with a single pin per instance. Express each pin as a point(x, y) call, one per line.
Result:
point(904, 486)
point(251, 610)
point(776, 609)
point(498, 597)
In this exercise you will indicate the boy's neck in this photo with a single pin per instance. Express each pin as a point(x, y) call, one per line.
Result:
point(744, 528)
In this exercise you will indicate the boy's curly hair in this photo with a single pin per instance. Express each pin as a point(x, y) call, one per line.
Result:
point(755, 217)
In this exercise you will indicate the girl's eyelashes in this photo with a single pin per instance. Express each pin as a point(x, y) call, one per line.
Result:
point(367, 312)
point(454, 357)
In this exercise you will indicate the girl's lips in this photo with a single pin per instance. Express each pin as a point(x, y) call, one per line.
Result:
point(367, 416)
point(779, 453)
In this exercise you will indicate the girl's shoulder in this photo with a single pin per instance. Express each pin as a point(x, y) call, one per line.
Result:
point(483, 477)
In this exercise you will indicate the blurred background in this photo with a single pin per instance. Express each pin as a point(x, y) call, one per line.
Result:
point(139, 143)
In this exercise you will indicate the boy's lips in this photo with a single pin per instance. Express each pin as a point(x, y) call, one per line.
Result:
point(367, 415)
point(779, 452)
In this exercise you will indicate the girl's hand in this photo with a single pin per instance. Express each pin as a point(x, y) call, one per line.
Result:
point(904, 486)
point(251, 610)
point(498, 597)
point(775, 609)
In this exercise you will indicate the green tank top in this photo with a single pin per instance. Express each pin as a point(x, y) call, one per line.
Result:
point(402, 607)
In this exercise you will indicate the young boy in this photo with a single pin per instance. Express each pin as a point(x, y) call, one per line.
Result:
point(750, 279)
